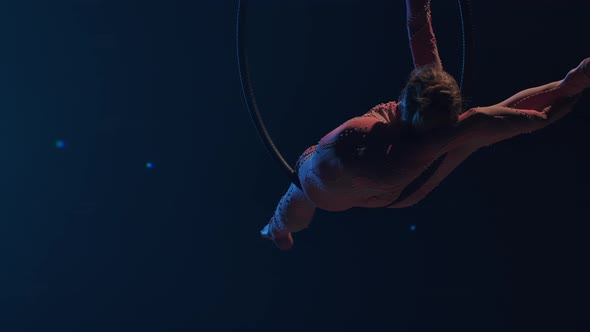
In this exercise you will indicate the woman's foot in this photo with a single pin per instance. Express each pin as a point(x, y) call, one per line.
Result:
point(283, 240)
point(585, 66)
point(578, 79)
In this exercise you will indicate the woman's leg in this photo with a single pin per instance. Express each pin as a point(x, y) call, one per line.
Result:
point(293, 214)
point(538, 98)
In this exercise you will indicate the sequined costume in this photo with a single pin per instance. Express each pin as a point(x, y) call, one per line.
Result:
point(367, 162)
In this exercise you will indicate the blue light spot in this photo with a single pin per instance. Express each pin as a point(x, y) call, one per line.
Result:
point(60, 144)
point(413, 228)
point(149, 165)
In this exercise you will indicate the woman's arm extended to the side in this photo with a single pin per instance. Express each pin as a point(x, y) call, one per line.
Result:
point(421, 34)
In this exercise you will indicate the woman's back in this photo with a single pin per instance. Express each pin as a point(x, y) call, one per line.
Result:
point(368, 161)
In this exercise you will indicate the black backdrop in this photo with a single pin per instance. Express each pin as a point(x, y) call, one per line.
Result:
point(93, 240)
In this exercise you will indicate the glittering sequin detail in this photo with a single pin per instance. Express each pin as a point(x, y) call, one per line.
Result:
point(352, 143)
point(383, 112)
point(294, 211)
point(516, 104)
point(419, 17)
point(305, 156)
point(279, 219)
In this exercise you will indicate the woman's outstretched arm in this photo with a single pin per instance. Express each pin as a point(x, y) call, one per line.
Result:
point(421, 34)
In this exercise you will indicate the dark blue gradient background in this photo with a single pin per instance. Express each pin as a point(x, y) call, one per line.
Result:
point(92, 240)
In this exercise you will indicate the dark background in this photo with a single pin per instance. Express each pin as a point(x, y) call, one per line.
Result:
point(93, 240)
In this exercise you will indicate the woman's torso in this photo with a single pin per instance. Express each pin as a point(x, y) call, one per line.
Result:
point(369, 162)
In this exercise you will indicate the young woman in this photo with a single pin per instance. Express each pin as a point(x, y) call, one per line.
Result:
point(398, 152)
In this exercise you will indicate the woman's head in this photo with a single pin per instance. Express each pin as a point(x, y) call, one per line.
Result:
point(431, 99)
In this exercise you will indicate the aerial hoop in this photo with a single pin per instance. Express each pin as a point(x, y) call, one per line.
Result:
point(248, 90)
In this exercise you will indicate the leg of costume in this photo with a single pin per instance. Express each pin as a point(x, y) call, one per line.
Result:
point(293, 213)
point(474, 132)
point(539, 98)
point(553, 100)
